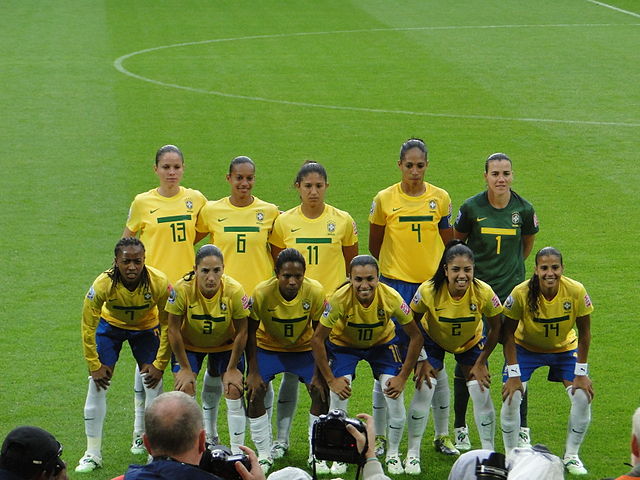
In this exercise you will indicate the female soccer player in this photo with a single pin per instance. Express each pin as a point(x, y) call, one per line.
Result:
point(209, 317)
point(500, 227)
point(284, 311)
point(541, 314)
point(326, 237)
point(409, 224)
point(165, 220)
point(358, 324)
point(125, 303)
point(449, 308)
point(239, 225)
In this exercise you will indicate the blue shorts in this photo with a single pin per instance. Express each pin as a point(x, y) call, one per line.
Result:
point(406, 290)
point(383, 359)
point(109, 339)
point(561, 365)
point(270, 363)
point(435, 353)
point(217, 365)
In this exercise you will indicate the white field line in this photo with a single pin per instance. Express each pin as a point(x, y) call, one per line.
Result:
point(118, 64)
point(633, 14)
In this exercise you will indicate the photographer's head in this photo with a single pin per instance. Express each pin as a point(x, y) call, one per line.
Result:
point(31, 453)
point(174, 427)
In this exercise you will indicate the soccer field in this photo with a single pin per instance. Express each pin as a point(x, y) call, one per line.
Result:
point(90, 90)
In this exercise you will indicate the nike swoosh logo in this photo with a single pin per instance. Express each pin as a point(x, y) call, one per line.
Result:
point(152, 211)
point(285, 401)
point(271, 309)
point(395, 428)
point(238, 433)
point(222, 219)
point(507, 431)
point(417, 418)
point(478, 219)
point(295, 229)
point(486, 424)
point(576, 431)
point(443, 408)
point(192, 306)
point(438, 309)
point(208, 408)
point(396, 209)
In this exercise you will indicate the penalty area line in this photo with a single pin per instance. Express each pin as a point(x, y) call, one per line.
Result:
point(606, 5)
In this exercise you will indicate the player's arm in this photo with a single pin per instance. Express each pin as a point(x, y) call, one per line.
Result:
point(348, 253)
point(459, 235)
point(527, 245)
point(446, 234)
point(513, 383)
point(185, 379)
point(376, 236)
point(100, 373)
point(480, 371)
point(275, 251)
point(340, 386)
point(584, 341)
point(254, 380)
point(233, 376)
point(396, 384)
point(128, 233)
point(199, 236)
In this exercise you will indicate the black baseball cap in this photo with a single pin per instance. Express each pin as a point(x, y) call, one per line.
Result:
point(29, 450)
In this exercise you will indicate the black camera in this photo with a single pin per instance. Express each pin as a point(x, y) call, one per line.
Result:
point(220, 461)
point(492, 468)
point(332, 441)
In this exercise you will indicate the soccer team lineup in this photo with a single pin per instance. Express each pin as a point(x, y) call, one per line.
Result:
point(293, 294)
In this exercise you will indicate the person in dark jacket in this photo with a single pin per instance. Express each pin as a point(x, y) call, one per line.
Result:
point(31, 453)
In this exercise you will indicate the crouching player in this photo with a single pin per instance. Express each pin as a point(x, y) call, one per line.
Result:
point(285, 309)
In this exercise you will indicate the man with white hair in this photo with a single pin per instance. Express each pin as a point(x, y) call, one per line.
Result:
point(635, 448)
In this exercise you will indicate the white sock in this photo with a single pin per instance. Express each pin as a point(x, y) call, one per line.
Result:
point(151, 393)
point(396, 415)
point(138, 403)
point(483, 412)
point(510, 421)
point(312, 419)
point(379, 409)
point(579, 420)
point(440, 404)
point(237, 423)
point(334, 400)
point(268, 400)
point(95, 409)
point(419, 416)
point(211, 394)
point(287, 403)
point(261, 435)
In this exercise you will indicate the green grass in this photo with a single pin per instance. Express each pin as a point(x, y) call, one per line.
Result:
point(79, 138)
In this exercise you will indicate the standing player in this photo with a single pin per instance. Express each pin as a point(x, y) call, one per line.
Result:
point(541, 314)
point(209, 317)
point(358, 323)
point(328, 239)
point(409, 224)
point(125, 303)
point(500, 227)
point(239, 225)
point(284, 311)
point(450, 309)
point(165, 220)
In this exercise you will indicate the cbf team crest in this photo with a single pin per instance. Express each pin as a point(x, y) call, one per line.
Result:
point(259, 216)
point(189, 204)
point(432, 204)
point(515, 218)
point(331, 227)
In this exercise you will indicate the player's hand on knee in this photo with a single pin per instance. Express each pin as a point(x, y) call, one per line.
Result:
point(424, 372)
point(185, 381)
point(151, 375)
point(233, 383)
point(583, 382)
point(511, 386)
point(341, 387)
point(394, 387)
point(102, 377)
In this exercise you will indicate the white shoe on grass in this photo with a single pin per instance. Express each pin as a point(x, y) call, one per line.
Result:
point(88, 463)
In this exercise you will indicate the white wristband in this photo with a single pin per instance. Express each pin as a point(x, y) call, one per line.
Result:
point(581, 369)
point(423, 355)
point(513, 370)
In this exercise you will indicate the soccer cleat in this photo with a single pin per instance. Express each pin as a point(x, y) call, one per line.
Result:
point(137, 445)
point(574, 465)
point(381, 445)
point(338, 468)
point(88, 463)
point(412, 466)
point(278, 450)
point(212, 440)
point(394, 465)
point(461, 435)
point(524, 439)
point(444, 445)
point(265, 464)
point(321, 466)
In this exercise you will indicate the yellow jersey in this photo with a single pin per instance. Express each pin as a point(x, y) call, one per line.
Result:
point(167, 227)
point(455, 325)
point(353, 325)
point(551, 328)
point(242, 233)
point(286, 326)
point(123, 308)
point(320, 240)
point(412, 247)
point(207, 323)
